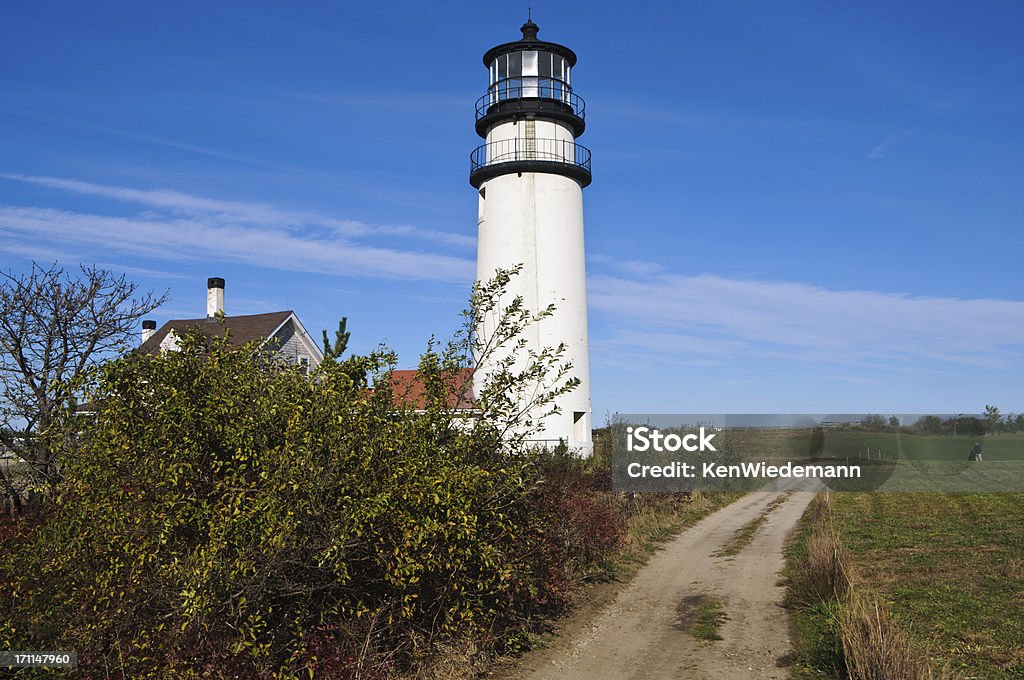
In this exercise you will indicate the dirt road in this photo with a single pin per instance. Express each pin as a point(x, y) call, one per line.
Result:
point(732, 557)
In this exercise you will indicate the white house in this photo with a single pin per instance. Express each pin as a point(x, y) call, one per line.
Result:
point(281, 331)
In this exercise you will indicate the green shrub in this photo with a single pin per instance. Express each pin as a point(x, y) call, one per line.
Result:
point(225, 515)
point(222, 515)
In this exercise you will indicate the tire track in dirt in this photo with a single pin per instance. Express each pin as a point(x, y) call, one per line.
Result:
point(644, 631)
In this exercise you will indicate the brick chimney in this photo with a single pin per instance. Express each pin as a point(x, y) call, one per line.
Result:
point(148, 329)
point(214, 297)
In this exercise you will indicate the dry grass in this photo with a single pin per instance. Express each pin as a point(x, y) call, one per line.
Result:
point(653, 518)
point(822, 574)
point(870, 645)
point(876, 648)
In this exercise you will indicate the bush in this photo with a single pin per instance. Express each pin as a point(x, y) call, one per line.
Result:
point(583, 527)
point(224, 515)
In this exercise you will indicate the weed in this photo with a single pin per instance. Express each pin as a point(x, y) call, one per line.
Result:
point(745, 534)
point(702, 616)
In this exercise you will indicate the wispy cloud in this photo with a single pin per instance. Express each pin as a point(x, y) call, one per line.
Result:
point(852, 379)
point(879, 151)
point(191, 148)
point(710, 316)
point(10, 244)
point(146, 271)
point(638, 269)
point(178, 226)
point(147, 139)
point(249, 213)
point(947, 104)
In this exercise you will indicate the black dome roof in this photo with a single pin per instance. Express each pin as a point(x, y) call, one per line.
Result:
point(530, 42)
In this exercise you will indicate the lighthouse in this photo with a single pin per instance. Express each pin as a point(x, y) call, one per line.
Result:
point(530, 174)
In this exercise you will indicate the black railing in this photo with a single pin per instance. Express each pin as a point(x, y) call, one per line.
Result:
point(544, 92)
point(521, 149)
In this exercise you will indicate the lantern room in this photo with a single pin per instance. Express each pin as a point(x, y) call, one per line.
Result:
point(530, 76)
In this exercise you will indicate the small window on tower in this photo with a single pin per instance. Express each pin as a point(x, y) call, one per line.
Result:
point(579, 426)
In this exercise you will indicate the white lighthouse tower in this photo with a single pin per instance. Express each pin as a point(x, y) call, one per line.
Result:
point(530, 174)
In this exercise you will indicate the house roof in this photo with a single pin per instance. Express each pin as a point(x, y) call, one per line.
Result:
point(243, 329)
point(409, 389)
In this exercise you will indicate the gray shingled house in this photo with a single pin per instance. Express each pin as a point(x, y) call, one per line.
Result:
point(281, 331)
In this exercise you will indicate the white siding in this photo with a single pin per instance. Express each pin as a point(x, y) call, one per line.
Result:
point(294, 346)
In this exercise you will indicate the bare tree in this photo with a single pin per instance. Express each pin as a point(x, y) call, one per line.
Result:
point(53, 326)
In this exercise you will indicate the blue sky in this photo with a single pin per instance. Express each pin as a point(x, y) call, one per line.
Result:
point(796, 206)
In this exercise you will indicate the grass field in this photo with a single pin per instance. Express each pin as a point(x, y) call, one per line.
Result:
point(950, 568)
point(889, 461)
point(789, 443)
point(901, 446)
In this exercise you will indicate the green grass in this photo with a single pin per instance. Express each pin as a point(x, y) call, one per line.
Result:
point(708, 619)
point(790, 443)
point(891, 461)
point(949, 566)
point(655, 523)
point(817, 649)
point(900, 446)
point(745, 534)
point(819, 652)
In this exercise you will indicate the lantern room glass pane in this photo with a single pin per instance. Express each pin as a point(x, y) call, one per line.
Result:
point(530, 63)
point(544, 64)
point(515, 64)
point(529, 74)
point(530, 86)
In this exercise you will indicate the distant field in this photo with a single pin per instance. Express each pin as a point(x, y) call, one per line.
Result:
point(951, 567)
point(887, 461)
point(891, 445)
point(1002, 447)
